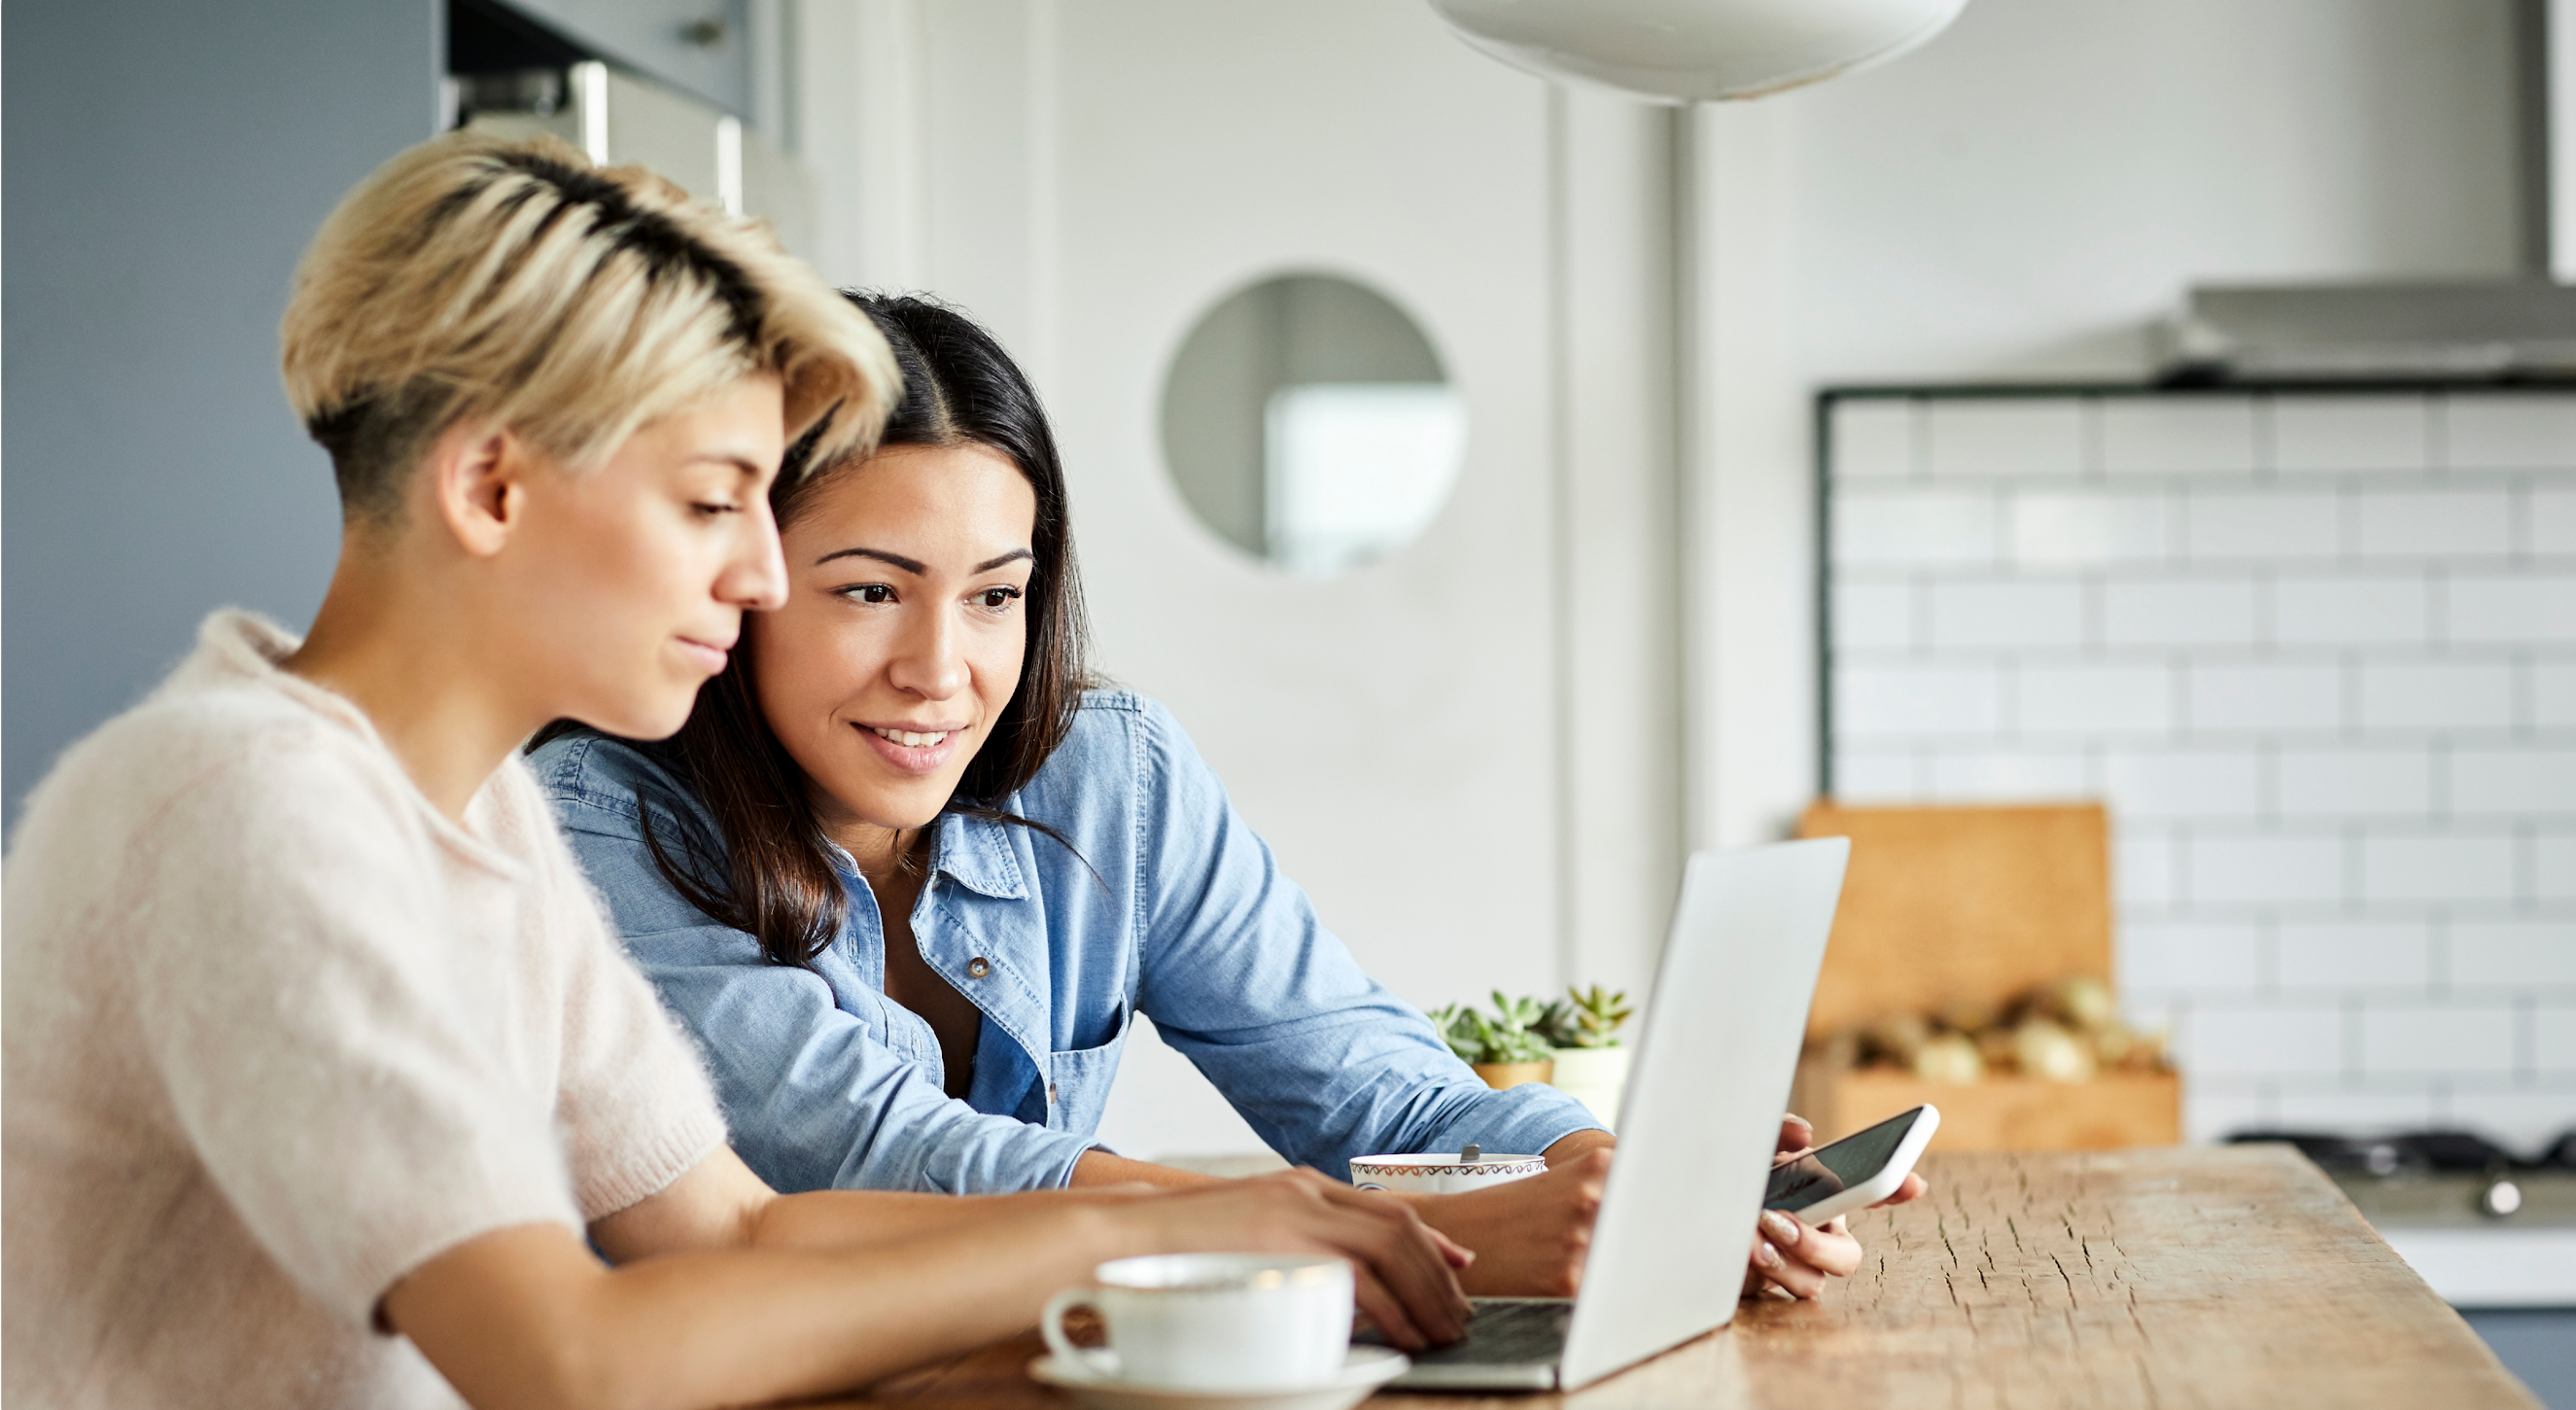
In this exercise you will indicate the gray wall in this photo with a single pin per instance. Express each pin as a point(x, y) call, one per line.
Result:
point(165, 162)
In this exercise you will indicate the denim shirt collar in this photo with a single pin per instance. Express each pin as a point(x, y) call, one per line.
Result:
point(976, 854)
point(973, 852)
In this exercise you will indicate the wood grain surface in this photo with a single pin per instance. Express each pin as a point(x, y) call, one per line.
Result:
point(2152, 1278)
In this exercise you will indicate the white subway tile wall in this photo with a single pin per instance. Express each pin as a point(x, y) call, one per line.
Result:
point(2317, 652)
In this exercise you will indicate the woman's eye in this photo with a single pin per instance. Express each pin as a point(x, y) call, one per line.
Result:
point(995, 599)
point(710, 510)
point(875, 594)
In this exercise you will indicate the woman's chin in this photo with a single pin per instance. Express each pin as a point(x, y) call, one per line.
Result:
point(914, 808)
point(897, 805)
point(642, 716)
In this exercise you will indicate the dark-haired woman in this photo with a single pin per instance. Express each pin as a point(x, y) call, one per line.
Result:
point(910, 880)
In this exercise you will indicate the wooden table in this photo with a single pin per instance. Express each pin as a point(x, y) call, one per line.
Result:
point(2152, 1278)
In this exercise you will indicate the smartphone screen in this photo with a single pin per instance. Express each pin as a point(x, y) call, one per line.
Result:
point(1829, 1170)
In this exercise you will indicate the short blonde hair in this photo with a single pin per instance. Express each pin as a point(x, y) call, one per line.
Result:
point(513, 281)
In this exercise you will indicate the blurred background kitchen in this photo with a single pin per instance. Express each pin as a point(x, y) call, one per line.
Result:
point(1513, 486)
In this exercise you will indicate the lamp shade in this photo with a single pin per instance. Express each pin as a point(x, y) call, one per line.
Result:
point(1690, 50)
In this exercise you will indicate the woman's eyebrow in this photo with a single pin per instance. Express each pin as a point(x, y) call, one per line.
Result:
point(915, 566)
point(909, 565)
point(750, 467)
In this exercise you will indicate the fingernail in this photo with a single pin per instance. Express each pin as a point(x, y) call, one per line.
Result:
point(1780, 1227)
point(1765, 1255)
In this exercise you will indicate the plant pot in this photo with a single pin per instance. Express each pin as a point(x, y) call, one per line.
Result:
point(1594, 1077)
point(1504, 1075)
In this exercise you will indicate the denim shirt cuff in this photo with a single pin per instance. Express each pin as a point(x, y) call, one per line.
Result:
point(1523, 1121)
point(1048, 1163)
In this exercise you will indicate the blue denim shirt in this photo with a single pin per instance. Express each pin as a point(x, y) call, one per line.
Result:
point(1174, 909)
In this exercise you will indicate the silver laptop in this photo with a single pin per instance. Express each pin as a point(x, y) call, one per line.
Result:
point(1696, 1132)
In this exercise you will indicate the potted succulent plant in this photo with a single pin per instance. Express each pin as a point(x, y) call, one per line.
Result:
point(1583, 1028)
point(1502, 1047)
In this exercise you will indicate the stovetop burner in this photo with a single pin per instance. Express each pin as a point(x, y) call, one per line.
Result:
point(2417, 1152)
point(2436, 1178)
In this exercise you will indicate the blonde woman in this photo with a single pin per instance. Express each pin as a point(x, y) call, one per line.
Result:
point(326, 1083)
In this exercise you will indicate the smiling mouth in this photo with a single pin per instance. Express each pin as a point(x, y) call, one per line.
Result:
point(910, 739)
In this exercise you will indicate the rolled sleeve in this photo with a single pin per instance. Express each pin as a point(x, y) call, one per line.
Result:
point(1240, 976)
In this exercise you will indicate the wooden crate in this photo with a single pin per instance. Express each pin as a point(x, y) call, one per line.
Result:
point(1952, 905)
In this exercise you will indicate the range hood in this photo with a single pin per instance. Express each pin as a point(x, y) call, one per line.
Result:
point(2488, 331)
point(2521, 329)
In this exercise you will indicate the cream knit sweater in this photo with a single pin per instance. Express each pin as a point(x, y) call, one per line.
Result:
point(277, 1032)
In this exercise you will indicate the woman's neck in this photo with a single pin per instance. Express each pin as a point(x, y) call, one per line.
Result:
point(883, 854)
point(426, 679)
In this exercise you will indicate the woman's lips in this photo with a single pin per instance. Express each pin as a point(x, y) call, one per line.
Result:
point(708, 655)
point(920, 758)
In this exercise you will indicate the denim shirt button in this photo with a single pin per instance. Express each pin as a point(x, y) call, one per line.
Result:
point(978, 967)
point(1050, 1094)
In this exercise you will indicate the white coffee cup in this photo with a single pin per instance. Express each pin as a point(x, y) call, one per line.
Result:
point(1442, 1174)
point(1212, 1321)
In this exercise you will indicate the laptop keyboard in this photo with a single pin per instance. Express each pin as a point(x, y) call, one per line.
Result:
point(1503, 1332)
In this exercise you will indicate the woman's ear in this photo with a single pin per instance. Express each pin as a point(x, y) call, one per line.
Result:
point(477, 484)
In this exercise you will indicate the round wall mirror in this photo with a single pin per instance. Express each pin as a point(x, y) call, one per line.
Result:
point(1308, 421)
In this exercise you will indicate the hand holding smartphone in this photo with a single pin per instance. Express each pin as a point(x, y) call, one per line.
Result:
point(1853, 1173)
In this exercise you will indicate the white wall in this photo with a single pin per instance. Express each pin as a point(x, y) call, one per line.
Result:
point(1467, 752)
point(2021, 195)
point(2015, 201)
point(2318, 653)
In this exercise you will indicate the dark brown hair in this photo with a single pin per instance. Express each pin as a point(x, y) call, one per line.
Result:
point(767, 869)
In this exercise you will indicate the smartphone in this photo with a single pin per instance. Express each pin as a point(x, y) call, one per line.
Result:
point(1853, 1173)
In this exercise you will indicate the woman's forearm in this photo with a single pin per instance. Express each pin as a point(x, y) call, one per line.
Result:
point(1099, 1167)
point(860, 1219)
point(803, 1323)
point(727, 1293)
point(529, 1317)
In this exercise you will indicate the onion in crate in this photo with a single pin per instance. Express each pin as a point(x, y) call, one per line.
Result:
point(2046, 1050)
point(1949, 1058)
point(2085, 1002)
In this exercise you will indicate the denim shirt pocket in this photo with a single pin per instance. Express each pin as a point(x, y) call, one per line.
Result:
point(1078, 1081)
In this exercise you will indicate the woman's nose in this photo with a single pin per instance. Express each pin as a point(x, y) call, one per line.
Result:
point(928, 663)
point(756, 579)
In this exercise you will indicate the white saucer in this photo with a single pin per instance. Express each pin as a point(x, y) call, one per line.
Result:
point(1366, 1368)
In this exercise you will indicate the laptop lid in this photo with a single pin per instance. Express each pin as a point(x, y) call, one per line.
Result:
point(1702, 1112)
